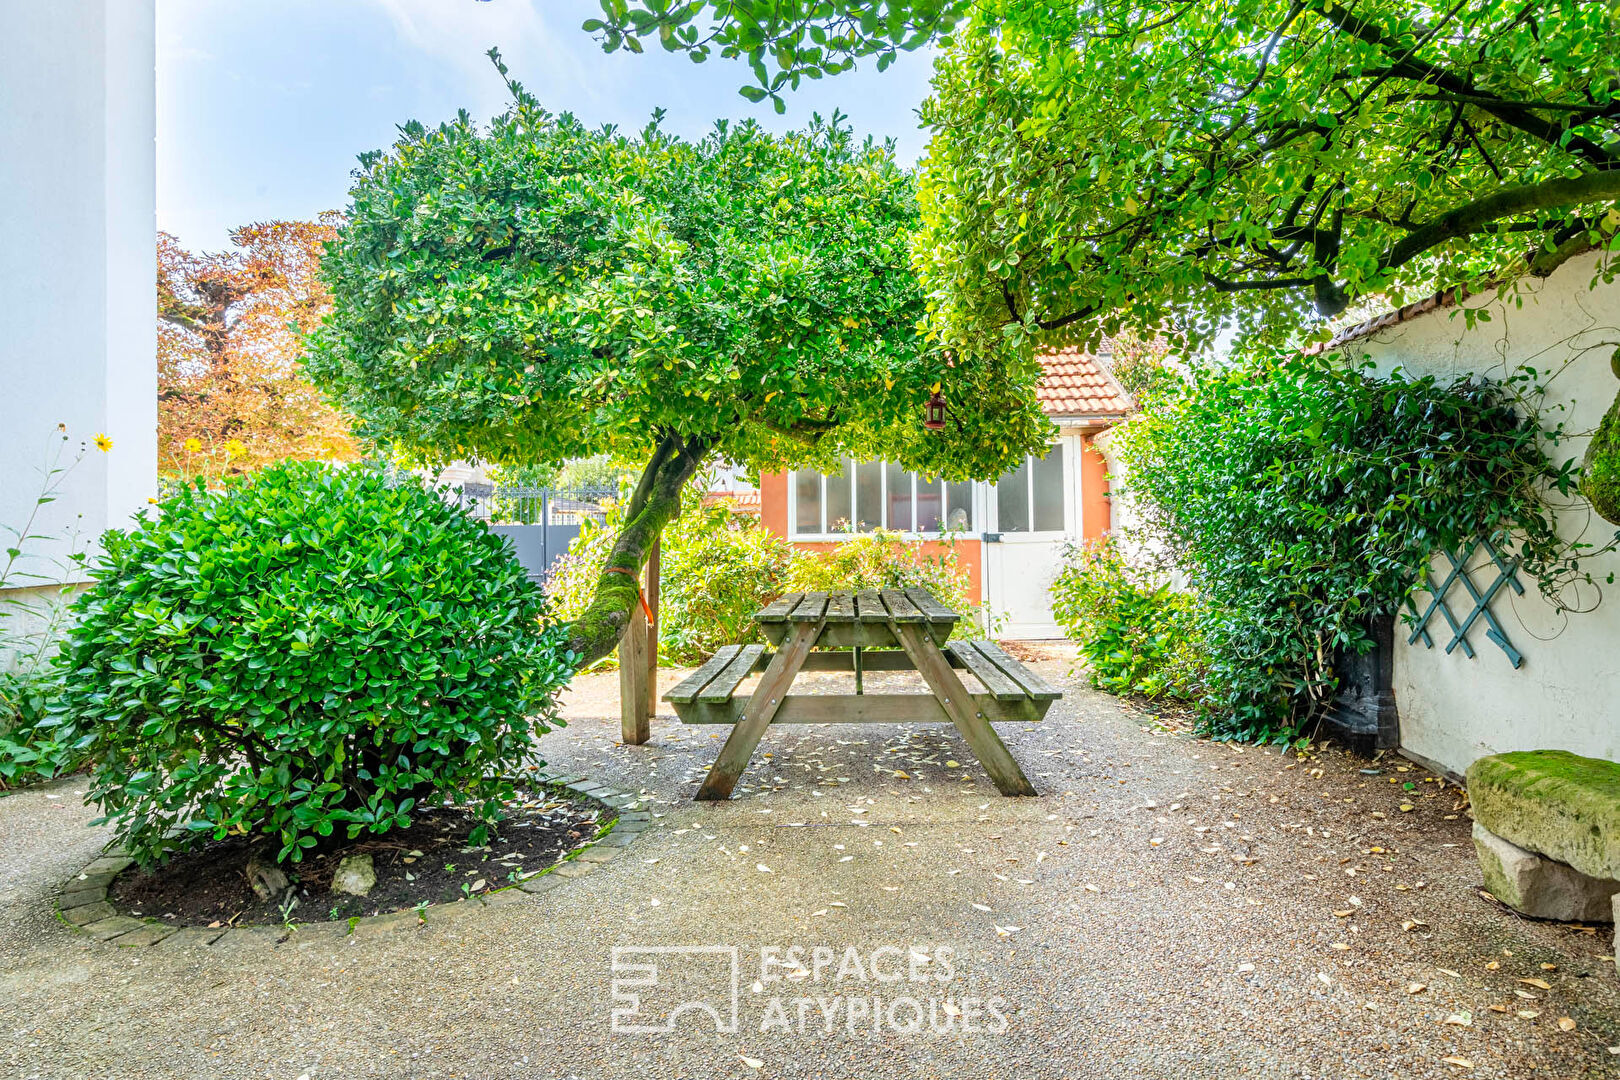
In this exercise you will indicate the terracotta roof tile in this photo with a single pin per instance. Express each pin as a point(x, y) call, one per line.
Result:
point(1077, 384)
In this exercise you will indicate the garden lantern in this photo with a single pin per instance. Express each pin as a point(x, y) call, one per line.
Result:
point(934, 412)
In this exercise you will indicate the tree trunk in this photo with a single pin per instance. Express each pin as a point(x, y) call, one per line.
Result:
point(656, 500)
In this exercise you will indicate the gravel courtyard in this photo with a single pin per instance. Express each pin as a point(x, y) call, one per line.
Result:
point(1167, 908)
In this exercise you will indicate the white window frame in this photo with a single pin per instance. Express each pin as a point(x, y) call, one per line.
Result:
point(824, 534)
point(1071, 499)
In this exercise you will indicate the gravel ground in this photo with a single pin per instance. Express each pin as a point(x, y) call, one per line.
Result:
point(1093, 932)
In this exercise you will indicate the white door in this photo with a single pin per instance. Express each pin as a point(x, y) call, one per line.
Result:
point(1032, 512)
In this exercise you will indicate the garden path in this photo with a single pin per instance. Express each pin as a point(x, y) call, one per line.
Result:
point(1123, 940)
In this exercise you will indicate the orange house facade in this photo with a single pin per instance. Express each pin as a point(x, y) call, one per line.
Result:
point(1010, 534)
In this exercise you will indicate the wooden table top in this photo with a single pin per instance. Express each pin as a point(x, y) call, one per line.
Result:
point(868, 606)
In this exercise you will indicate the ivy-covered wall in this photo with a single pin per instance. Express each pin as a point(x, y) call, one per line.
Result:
point(1567, 693)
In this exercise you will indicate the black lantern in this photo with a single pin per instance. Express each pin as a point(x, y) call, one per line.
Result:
point(934, 412)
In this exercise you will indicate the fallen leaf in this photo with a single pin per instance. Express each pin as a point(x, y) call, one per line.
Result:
point(1093, 889)
point(752, 1063)
point(1416, 988)
point(980, 907)
point(1464, 1019)
point(762, 868)
point(1528, 1014)
point(1566, 1023)
point(1007, 931)
point(1460, 1062)
point(1497, 1008)
point(1322, 976)
point(1448, 971)
point(1539, 984)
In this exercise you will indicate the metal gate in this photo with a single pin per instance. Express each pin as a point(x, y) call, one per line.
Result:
point(540, 522)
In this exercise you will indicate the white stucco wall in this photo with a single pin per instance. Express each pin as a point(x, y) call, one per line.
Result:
point(77, 269)
point(1567, 694)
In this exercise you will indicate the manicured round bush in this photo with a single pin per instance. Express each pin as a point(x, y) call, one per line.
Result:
point(308, 650)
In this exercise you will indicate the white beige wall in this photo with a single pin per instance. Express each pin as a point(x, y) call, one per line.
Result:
point(77, 270)
point(1567, 693)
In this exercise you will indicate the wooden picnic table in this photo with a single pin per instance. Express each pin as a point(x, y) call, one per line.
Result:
point(888, 630)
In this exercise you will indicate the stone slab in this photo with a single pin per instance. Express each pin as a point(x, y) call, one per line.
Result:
point(398, 922)
point(109, 864)
point(599, 854)
point(191, 937)
point(106, 929)
point(574, 868)
point(1553, 803)
point(84, 914)
point(79, 897)
point(505, 897)
point(542, 884)
point(1538, 886)
point(150, 934)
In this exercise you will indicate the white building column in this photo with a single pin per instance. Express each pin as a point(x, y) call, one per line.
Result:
point(77, 256)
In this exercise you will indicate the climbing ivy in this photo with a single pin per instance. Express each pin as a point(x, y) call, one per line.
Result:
point(1301, 496)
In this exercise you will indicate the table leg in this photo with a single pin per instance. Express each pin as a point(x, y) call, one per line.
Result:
point(958, 703)
point(762, 707)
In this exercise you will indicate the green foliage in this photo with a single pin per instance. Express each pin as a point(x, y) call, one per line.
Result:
point(1135, 636)
point(717, 568)
point(535, 291)
point(882, 559)
point(1601, 480)
point(783, 41)
point(1301, 496)
point(305, 651)
point(1194, 164)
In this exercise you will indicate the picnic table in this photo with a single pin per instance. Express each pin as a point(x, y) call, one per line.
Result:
point(887, 630)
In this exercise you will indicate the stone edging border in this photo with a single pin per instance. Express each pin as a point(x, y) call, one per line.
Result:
point(82, 902)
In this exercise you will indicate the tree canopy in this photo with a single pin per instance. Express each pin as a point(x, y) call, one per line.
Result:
point(1165, 161)
point(231, 395)
point(535, 290)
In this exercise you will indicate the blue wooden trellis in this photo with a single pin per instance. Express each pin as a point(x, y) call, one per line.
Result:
point(1507, 571)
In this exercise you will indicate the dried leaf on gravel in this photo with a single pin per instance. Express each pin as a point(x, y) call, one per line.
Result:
point(752, 1063)
point(1566, 1023)
point(1416, 988)
point(1460, 1062)
point(1462, 1019)
point(1539, 984)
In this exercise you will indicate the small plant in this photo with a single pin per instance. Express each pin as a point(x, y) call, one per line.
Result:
point(307, 650)
point(1136, 636)
point(32, 622)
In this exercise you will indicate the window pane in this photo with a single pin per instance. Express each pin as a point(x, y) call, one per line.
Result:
point(959, 506)
point(930, 505)
point(868, 495)
point(899, 515)
point(807, 502)
point(1012, 500)
point(1049, 491)
point(838, 499)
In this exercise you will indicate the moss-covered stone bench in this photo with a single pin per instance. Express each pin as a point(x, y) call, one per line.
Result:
point(1547, 830)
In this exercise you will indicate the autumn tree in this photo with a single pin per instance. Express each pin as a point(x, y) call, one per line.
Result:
point(537, 290)
point(1152, 161)
point(231, 393)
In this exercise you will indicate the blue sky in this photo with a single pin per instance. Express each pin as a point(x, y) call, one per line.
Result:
point(264, 104)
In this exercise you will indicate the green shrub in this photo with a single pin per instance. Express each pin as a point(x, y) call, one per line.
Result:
point(304, 651)
point(717, 568)
point(1135, 636)
point(882, 559)
point(1302, 496)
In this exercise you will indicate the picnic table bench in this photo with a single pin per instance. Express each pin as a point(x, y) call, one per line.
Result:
point(888, 630)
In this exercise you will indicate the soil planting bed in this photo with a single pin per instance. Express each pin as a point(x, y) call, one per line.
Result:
point(430, 862)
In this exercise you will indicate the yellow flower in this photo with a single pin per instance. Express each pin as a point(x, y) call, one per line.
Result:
point(233, 448)
point(103, 443)
point(193, 445)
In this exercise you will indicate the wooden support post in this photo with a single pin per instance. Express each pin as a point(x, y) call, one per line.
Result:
point(654, 561)
point(762, 709)
point(962, 709)
point(635, 694)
